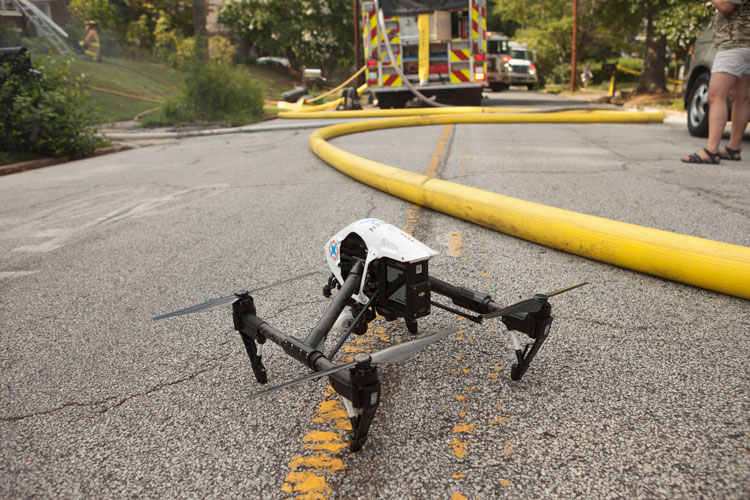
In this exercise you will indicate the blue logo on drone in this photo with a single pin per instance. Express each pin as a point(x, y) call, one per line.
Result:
point(334, 248)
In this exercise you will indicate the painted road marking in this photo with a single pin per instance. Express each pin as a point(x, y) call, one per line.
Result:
point(59, 224)
point(15, 274)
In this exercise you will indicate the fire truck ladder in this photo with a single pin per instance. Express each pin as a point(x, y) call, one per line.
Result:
point(45, 26)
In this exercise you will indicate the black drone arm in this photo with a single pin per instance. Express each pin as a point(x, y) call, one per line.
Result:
point(255, 330)
point(531, 317)
point(319, 332)
point(360, 385)
point(463, 297)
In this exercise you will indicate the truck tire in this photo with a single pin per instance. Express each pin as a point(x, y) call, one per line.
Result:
point(697, 107)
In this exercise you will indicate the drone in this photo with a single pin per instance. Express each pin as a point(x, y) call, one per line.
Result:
point(378, 269)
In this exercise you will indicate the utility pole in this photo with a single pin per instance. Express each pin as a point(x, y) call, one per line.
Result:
point(575, 43)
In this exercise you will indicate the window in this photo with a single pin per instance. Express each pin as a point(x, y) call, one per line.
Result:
point(497, 46)
point(44, 7)
point(7, 5)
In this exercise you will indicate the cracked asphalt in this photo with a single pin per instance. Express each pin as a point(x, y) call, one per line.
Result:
point(642, 390)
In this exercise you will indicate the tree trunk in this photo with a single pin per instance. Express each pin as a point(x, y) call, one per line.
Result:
point(652, 78)
point(199, 28)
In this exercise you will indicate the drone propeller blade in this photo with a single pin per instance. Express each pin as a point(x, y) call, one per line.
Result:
point(532, 305)
point(393, 354)
point(398, 353)
point(297, 381)
point(206, 306)
point(566, 289)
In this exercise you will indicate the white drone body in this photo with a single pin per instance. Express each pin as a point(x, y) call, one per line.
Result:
point(382, 240)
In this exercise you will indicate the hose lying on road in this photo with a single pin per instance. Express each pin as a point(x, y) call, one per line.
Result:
point(713, 265)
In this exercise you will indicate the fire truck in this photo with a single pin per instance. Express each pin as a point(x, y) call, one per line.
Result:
point(438, 47)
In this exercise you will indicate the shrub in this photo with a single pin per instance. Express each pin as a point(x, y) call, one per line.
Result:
point(217, 92)
point(44, 110)
point(221, 50)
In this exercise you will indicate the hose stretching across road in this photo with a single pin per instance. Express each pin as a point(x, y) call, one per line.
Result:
point(708, 264)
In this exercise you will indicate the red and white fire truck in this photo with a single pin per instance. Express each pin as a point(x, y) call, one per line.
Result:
point(451, 64)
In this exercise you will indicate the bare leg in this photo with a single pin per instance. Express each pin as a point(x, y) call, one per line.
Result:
point(740, 111)
point(718, 91)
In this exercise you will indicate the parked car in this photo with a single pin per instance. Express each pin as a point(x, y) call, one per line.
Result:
point(696, 88)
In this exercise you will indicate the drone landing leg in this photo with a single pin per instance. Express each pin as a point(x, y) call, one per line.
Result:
point(255, 359)
point(535, 325)
point(246, 305)
point(365, 398)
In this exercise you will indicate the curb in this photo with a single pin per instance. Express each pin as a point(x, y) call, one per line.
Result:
point(247, 129)
point(23, 166)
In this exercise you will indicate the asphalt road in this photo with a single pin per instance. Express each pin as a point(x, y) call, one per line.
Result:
point(641, 391)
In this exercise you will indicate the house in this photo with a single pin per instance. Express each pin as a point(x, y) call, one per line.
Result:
point(212, 13)
point(57, 10)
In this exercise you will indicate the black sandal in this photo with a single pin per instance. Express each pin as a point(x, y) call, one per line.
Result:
point(713, 158)
point(730, 154)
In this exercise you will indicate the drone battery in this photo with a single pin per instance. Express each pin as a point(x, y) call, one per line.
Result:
point(405, 286)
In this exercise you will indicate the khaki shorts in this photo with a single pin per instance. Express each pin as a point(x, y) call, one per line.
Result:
point(733, 61)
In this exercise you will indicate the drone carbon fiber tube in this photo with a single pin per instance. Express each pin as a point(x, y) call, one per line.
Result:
point(299, 350)
point(318, 333)
point(463, 297)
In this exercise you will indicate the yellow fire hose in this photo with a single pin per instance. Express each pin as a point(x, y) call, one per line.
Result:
point(708, 264)
point(125, 94)
point(636, 72)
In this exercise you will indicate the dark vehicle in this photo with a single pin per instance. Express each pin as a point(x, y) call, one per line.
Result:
point(696, 89)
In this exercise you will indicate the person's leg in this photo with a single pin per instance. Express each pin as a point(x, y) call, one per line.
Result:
point(718, 92)
point(740, 111)
point(728, 67)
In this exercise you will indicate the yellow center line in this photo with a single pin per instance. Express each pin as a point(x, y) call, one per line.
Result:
point(309, 474)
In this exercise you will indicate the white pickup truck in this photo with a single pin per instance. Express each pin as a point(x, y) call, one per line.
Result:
point(508, 63)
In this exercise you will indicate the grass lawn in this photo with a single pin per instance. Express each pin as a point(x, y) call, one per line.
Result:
point(122, 89)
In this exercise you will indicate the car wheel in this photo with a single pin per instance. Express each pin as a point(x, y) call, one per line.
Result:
point(697, 109)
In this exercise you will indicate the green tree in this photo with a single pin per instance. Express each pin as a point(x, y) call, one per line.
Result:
point(603, 28)
point(134, 21)
point(673, 23)
point(308, 32)
point(681, 23)
point(547, 27)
